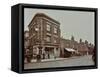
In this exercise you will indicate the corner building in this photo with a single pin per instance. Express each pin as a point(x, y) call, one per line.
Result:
point(44, 36)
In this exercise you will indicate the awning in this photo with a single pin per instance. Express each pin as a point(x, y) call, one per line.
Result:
point(70, 50)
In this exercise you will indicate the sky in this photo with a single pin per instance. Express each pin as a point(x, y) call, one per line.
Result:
point(79, 24)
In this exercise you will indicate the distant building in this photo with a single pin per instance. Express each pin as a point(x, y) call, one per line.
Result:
point(67, 43)
point(44, 36)
point(27, 54)
point(82, 47)
point(26, 39)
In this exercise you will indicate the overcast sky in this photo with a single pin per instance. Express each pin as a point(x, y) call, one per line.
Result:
point(76, 23)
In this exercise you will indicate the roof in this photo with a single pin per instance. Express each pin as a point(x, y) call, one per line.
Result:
point(70, 50)
point(43, 15)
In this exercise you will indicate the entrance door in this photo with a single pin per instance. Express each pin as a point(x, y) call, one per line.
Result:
point(49, 52)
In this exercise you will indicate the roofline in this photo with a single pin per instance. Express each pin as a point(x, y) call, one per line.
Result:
point(43, 15)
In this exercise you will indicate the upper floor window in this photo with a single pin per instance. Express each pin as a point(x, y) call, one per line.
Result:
point(55, 30)
point(55, 41)
point(26, 34)
point(48, 38)
point(48, 27)
point(36, 28)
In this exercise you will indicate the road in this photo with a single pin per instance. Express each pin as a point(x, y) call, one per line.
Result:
point(66, 62)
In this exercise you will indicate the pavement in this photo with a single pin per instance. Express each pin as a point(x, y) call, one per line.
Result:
point(61, 62)
point(48, 60)
point(54, 59)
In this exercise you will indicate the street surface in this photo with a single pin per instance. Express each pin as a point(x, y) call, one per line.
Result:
point(63, 62)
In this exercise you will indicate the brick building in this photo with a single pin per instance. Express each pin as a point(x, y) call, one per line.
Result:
point(68, 43)
point(83, 48)
point(44, 36)
point(27, 53)
point(26, 39)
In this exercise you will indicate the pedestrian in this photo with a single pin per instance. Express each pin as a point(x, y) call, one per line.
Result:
point(48, 56)
point(43, 55)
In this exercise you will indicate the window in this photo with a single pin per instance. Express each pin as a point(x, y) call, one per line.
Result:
point(55, 41)
point(48, 27)
point(36, 28)
point(48, 38)
point(55, 30)
point(26, 34)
